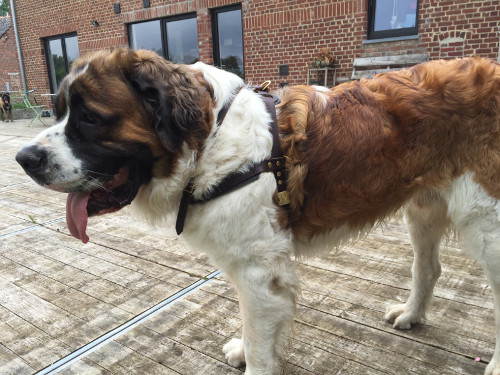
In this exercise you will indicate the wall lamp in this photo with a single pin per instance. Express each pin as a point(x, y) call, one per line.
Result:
point(94, 23)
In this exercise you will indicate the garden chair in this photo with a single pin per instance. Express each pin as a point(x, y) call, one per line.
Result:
point(37, 109)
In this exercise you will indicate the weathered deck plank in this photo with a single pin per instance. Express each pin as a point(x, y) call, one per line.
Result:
point(11, 363)
point(57, 295)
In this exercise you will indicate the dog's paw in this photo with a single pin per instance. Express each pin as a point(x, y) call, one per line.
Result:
point(493, 368)
point(234, 352)
point(401, 317)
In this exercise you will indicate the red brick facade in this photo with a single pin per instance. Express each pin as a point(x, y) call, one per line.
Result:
point(8, 57)
point(275, 32)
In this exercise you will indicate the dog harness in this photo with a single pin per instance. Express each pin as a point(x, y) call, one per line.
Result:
point(275, 164)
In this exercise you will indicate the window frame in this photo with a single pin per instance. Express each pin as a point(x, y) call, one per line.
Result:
point(388, 33)
point(215, 33)
point(46, 47)
point(163, 30)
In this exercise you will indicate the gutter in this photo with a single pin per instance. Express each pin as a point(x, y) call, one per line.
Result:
point(18, 44)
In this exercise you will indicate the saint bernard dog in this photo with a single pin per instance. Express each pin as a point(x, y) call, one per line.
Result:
point(134, 128)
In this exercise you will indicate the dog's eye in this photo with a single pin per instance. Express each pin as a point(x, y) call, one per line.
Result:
point(90, 119)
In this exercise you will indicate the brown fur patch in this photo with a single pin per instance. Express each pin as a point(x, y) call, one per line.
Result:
point(129, 87)
point(357, 153)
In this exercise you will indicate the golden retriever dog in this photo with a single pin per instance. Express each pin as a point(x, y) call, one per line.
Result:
point(134, 128)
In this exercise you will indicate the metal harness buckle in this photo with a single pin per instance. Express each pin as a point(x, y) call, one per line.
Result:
point(283, 198)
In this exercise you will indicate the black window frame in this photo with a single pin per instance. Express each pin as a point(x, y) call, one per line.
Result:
point(215, 32)
point(163, 30)
point(389, 33)
point(48, 56)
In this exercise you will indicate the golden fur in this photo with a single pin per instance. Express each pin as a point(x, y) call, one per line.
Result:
point(360, 151)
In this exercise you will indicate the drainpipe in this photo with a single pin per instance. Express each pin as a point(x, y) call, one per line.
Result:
point(18, 44)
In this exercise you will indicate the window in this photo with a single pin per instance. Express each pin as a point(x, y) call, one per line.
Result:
point(228, 39)
point(60, 52)
point(175, 38)
point(392, 18)
point(182, 41)
point(147, 35)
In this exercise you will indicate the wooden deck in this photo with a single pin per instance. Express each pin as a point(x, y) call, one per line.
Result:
point(57, 295)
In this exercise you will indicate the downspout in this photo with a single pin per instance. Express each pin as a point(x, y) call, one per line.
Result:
point(18, 44)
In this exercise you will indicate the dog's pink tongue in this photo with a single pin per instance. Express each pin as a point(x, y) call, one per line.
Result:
point(76, 215)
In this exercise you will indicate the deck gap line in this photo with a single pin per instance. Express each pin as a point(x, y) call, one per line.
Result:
point(127, 326)
point(34, 227)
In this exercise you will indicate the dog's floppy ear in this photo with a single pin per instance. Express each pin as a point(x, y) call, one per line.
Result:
point(173, 98)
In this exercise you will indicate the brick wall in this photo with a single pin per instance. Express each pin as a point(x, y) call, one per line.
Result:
point(292, 32)
point(276, 32)
point(449, 29)
point(69, 16)
point(8, 59)
point(477, 22)
point(36, 21)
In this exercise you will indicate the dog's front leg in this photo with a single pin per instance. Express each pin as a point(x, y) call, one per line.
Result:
point(267, 290)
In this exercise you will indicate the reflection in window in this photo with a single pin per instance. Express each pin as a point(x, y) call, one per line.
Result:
point(228, 40)
point(392, 18)
point(175, 38)
point(61, 51)
point(56, 63)
point(182, 41)
point(146, 35)
point(72, 51)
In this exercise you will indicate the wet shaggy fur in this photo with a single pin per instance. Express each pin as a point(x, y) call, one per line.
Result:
point(133, 127)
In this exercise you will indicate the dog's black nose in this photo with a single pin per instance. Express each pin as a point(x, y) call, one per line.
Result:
point(33, 159)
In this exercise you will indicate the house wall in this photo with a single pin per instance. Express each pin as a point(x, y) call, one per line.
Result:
point(449, 29)
point(276, 32)
point(8, 59)
point(293, 32)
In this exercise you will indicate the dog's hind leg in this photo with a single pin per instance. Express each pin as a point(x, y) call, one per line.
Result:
point(266, 289)
point(477, 216)
point(426, 216)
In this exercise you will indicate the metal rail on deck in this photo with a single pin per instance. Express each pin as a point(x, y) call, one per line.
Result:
point(125, 327)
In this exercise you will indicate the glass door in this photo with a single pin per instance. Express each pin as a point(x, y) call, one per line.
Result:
point(228, 39)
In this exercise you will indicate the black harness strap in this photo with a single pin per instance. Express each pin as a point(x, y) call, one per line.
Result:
point(223, 112)
point(275, 164)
